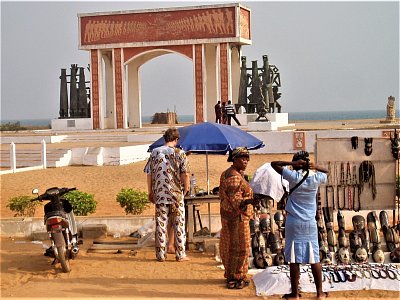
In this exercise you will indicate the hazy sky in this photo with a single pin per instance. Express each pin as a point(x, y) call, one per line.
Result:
point(332, 56)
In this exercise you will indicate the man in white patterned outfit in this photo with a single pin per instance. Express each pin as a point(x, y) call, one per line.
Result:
point(167, 182)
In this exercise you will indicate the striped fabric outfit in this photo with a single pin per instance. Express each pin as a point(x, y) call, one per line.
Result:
point(166, 164)
point(235, 231)
point(301, 233)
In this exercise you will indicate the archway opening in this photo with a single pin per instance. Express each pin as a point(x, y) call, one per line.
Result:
point(171, 76)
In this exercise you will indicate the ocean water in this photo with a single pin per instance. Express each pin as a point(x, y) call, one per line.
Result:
point(339, 115)
point(293, 116)
point(29, 122)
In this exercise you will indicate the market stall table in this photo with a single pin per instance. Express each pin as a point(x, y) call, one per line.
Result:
point(190, 204)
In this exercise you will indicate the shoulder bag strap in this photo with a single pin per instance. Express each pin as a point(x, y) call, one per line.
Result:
point(298, 184)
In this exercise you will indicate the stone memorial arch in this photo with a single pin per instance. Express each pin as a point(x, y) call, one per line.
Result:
point(120, 42)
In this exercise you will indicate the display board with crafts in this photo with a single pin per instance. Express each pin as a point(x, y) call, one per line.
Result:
point(357, 216)
point(361, 188)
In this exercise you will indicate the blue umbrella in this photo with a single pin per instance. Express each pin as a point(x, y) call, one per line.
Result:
point(212, 138)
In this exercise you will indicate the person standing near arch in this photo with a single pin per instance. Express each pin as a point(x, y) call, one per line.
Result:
point(218, 112)
point(231, 113)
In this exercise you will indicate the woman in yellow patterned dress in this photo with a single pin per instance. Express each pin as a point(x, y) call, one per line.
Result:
point(236, 195)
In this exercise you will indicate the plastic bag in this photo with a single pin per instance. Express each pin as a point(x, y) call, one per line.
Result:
point(147, 228)
point(148, 240)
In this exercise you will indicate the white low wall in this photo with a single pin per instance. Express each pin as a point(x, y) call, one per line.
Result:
point(109, 156)
point(125, 155)
point(25, 227)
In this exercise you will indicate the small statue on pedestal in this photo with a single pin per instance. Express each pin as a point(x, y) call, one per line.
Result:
point(391, 109)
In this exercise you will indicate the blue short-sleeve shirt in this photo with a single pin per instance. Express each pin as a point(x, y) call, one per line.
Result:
point(302, 202)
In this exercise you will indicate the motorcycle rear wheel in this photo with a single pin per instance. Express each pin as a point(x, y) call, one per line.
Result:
point(63, 258)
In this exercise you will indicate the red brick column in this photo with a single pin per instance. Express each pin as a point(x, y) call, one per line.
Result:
point(118, 87)
point(198, 66)
point(223, 66)
point(94, 71)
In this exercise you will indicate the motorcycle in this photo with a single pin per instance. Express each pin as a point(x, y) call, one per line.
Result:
point(60, 225)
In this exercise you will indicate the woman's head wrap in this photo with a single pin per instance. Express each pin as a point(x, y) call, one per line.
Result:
point(238, 152)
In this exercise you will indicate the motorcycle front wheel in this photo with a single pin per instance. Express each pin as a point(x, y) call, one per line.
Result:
point(64, 259)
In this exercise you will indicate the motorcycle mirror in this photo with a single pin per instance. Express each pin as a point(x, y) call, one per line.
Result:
point(35, 191)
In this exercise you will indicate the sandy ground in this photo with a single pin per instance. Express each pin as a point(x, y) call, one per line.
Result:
point(26, 273)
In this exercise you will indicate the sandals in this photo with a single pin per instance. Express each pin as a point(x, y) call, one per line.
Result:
point(231, 284)
point(237, 284)
point(242, 283)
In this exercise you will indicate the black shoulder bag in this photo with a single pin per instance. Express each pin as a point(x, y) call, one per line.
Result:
point(281, 205)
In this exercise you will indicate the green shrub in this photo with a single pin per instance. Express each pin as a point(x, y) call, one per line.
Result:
point(398, 186)
point(133, 201)
point(12, 127)
point(82, 203)
point(23, 206)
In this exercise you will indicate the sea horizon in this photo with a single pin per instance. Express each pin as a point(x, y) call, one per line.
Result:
point(293, 116)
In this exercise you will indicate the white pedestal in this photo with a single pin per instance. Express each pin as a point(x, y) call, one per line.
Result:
point(72, 124)
point(282, 118)
point(244, 119)
point(263, 126)
point(275, 120)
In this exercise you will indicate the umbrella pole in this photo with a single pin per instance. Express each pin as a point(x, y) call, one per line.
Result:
point(208, 180)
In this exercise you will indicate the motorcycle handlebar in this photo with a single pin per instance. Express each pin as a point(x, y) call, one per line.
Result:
point(66, 190)
point(46, 196)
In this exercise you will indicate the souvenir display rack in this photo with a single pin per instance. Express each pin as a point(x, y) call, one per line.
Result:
point(362, 173)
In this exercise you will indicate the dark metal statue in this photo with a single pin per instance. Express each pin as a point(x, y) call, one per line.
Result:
point(82, 96)
point(256, 97)
point(264, 86)
point(78, 105)
point(275, 84)
point(244, 84)
point(63, 95)
point(73, 93)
